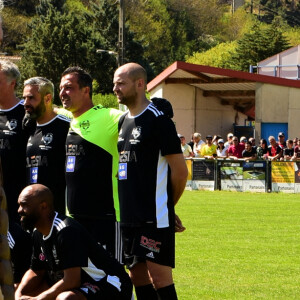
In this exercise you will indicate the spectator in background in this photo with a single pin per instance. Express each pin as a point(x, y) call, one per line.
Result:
point(229, 140)
point(236, 149)
point(295, 142)
point(215, 139)
point(198, 143)
point(221, 149)
point(264, 146)
point(296, 155)
point(249, 153)
point(274, 150)
point(281, 140)
point(288, 152)
point(209, 150)
point(186, 149)
point(191, 142)
point(243, 140)
point(252, 141)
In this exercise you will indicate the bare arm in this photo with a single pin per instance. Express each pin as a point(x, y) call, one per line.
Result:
point(179, 174)
point(70, 281)
point(30, 283)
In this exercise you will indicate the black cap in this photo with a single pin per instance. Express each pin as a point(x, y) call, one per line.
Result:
point(280, 134)
point(209, 137)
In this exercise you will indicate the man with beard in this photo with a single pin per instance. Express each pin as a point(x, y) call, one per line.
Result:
point(92, 160)
point(67, 263)
point(45, 154)
point(152, 177)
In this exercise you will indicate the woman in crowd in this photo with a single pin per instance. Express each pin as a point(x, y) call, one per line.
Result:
point(221, 149)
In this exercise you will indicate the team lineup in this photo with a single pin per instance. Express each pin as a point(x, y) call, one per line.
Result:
point(93, 191)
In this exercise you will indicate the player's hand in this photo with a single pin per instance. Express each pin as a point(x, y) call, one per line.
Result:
point(178, 225)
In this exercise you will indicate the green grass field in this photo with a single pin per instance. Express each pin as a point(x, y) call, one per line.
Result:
point(238, 246)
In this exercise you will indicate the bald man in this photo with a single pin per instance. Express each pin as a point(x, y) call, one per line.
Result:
point(91, 160)
point(148, 148)
point(66, 261)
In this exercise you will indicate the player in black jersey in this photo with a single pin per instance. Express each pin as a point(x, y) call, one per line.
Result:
point(66, 262)
point(92, 160)
point(152, 177)
point(46, 154)
point(20, 245)
point(12, 139)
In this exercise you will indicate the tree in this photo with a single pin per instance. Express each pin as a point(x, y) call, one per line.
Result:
point(14, 31)
point(257, 45)
point(219, 56)
point(105, 16)
point(60, 40)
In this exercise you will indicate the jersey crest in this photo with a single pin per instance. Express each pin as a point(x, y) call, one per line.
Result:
point(85, 125)
point(12, 124)
point(136, 132)
point(48, 138)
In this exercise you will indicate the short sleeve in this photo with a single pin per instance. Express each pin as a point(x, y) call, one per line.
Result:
point(167, 136)
point(72, 248)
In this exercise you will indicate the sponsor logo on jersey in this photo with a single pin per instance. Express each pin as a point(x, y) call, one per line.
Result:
point(122, 171)
point(93, 288)
point(48, 138)
point(12, 124)
point(74, 150)
point(70, 167)
point(150, 244)
point(127, 156)
point(33, 175)
point(36, 161)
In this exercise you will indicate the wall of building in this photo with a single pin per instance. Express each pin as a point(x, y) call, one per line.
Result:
point(288, 59)
point(277, 104)
point(195, 113)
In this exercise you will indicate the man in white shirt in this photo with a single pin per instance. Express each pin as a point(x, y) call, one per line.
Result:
point(198, 143)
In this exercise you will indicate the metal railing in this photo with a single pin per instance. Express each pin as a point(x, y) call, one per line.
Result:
point(276, 69)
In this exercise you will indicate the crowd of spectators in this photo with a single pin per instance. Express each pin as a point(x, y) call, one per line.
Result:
point(241, 147)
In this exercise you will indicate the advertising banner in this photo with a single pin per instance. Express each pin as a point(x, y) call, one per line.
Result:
point(203, 175)
point(203, 170)
point(283, 177)
point(254, 175)
point(231, 173)
point(297, 176)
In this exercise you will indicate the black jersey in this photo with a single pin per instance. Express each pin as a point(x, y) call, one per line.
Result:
point(144, 182)
point(251, 153)
point(20, 244)
point(92, 165)
point(12, 151)
point(288, 151)
point(69, 245)
point(45, 158)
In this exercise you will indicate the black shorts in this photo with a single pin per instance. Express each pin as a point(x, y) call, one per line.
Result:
point(148, 243)
point(94, 290)
point(107, 233)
